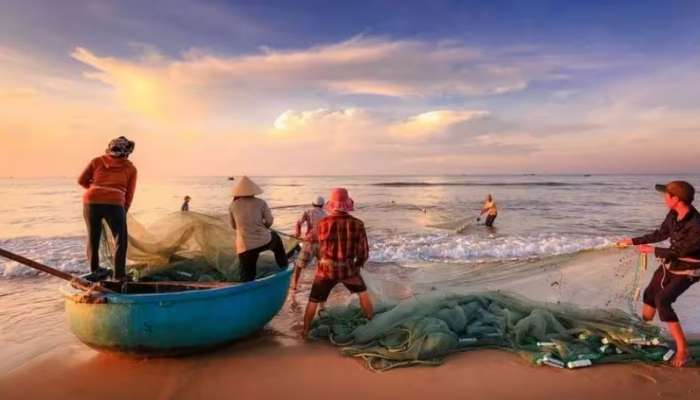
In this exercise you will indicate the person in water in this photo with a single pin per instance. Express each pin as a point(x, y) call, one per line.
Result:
point(251, 218)
point(490, 210)
point(110, 181)
point(343, 250)
point(185, 204)
point(681, 261)
point(309, 251)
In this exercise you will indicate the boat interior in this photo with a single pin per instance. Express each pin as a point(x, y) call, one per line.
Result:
point(160, 286)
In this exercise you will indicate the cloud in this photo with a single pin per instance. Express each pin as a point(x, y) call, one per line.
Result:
point(428, 124)
point(362, 106)
point(291, 120)
point(373, 128)
point(142, 86)
point(156, 85)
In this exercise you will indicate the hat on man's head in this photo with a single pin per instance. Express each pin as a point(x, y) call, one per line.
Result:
point(340, 201)
point(681, 189)
point(318, 202)
point(120, 147)
point(246, 187)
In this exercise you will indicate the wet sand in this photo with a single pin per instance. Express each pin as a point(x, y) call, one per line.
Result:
point(40, 358)
point(268, 367)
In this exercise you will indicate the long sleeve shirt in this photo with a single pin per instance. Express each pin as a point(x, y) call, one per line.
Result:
point(251, 218)
point(311, 218)
point(109, 180)
point(684, 236)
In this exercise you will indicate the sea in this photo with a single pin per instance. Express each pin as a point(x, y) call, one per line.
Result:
point(551, 239)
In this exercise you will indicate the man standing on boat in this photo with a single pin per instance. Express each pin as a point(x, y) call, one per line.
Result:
point(110, 181)
point(251, 218)
point(343, 251)
point(681, 261)
point(310, 248)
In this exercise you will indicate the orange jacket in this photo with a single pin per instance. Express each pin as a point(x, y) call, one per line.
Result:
point(109, 180)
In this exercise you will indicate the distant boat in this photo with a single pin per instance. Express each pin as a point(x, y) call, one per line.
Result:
point(231, 178)
point(171, 323)
point(587, 175)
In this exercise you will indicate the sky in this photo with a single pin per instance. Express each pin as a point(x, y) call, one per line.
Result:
point(351, 88)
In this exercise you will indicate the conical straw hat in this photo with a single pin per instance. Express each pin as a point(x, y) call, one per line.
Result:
point(246, 187)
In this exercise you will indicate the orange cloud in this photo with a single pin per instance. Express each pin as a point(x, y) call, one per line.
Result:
point(430, 123)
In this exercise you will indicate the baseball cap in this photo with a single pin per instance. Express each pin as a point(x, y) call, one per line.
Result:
point(681, 189)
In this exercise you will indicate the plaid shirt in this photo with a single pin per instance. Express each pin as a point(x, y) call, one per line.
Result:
point(343, 246)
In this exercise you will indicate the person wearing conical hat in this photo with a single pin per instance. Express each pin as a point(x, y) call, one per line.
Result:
point(110, 183)
point(343, 251)
point(309, 251)
point(251, 218)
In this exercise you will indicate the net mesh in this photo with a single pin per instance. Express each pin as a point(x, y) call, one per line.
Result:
point(187, 246)
point(561, 311)
point(566, 311)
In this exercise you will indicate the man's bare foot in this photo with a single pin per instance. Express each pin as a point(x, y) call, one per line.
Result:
point(680, 359)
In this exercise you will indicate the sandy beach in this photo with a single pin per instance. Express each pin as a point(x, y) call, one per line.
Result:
point(271, 368)
point(359, 200)
point(40, 357)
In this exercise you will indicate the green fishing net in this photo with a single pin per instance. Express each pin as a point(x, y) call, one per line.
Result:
point(427, 328)
point(568, 313)
point(185, 246)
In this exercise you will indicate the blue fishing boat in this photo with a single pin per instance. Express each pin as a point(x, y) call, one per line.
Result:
point(174, 321)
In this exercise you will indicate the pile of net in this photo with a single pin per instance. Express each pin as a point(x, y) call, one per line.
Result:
point(427, 328)
point(185, 246)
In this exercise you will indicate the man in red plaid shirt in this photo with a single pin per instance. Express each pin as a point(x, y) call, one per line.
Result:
point(343, 251)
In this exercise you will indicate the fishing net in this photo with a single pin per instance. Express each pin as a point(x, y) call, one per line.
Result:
point(550, 321)
point(185, 246)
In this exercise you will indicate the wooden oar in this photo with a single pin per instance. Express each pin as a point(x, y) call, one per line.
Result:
point(74, 280)
point(289, 206)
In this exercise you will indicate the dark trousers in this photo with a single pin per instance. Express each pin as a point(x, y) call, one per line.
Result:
point(249, 259)
point(115, 216)
point(490, 219)
point(663, 290)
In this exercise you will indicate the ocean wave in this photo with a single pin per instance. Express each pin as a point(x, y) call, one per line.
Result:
point(63, 253)
point(479, 248)
point(68, 253)
point(426, 184)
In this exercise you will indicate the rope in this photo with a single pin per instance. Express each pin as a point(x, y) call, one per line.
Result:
point(636, 282)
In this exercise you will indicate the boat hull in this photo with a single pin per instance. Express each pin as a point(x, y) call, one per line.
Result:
point(179, 322)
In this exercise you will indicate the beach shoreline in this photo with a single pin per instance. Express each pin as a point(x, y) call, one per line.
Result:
point(266, 367)
point(42, 359)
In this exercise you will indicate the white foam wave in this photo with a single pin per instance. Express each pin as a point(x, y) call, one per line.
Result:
point(63, 253)
point(477, 248)
point(68, 253)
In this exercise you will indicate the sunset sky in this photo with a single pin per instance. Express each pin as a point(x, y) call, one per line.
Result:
point(351, 87)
